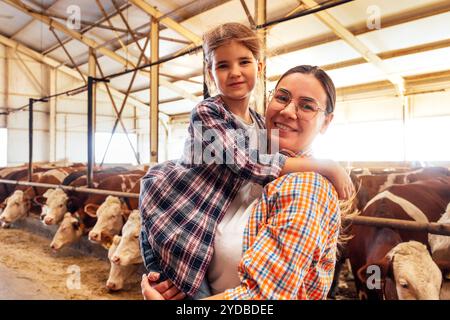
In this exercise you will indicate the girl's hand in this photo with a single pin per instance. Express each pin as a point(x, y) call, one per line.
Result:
point(159, 291)
point(340, 179)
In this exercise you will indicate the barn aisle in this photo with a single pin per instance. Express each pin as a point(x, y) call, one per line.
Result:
point(15, 286)
point(30, 270)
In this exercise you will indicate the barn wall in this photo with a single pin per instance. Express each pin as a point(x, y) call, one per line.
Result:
point(71, 140)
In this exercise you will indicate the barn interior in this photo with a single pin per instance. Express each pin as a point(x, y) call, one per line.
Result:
point(110, 83)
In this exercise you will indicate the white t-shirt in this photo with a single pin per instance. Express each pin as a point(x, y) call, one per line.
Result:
point(222, 271)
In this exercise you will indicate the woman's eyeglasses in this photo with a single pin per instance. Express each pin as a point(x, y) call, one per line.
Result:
point(305, 109)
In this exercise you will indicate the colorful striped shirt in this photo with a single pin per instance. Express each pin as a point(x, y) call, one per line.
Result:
point(181, 202)
point(290, 241)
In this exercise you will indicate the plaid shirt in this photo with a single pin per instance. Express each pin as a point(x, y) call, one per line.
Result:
point(290, 241)
point(182, 202)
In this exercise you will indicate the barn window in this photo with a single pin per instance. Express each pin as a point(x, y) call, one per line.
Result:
point(119, 150)
point(362, 141)
point(3, 147)
point(427, 139)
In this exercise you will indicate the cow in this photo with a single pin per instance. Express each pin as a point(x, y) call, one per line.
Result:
point(73, 201)
point(118, 274)
point(55, 206)
point(17, 174)
point(70, 230)
point(128, 251)
point(18, 204)
point(372, 248)
point(87, 220)
point(112, 215)
point(54, 176)
point(369, 186)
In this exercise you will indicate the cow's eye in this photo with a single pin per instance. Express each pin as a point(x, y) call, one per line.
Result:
point(404, 284)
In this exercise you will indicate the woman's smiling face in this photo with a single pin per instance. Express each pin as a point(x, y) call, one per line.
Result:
point(296, 133)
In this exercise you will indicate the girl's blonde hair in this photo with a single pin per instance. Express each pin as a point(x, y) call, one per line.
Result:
point(222, 35)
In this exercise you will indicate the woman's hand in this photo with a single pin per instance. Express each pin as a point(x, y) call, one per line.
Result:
point(340, 179)
point(159, 291)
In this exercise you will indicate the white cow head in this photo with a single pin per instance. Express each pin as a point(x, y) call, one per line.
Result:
point(128, 250)
point(69, 231)
point(17, 207)
point(118, 274)
point(110, 217)
point(55, 207)
point(417, 277)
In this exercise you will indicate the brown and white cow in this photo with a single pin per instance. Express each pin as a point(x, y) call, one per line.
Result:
point(54, 176)
point(372, 248)
point(74, 201)
point(118, 274)
point(19, 203)
point(70, 230)
point(87, 221)
point(371, 185)
point(128, 251)
point(111, 217)
point(112, 214)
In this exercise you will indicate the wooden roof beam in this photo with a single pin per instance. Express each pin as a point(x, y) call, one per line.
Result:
point(168, 22)
point(358, 45)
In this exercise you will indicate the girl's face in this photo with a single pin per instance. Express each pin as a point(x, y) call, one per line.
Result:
point(234, 70)
point(296, 133)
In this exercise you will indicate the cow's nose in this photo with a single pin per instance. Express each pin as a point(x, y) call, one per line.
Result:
point(48, 220)
point(115, 259)
point(111, 286)
point(94, 236)
point(52, 246)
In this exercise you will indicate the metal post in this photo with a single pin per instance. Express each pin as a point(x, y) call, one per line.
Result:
point(90, 133)
point(30, 138)
point(154, 84)
point(261, 17)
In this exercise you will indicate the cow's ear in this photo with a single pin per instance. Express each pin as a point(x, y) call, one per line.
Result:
point(48, 193)
point(39, 200)
point(380, 268)
point(91, 209)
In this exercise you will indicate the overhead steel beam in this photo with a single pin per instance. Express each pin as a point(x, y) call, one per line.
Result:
point(168, 22)
point(383, 55)
point(359, 29)
point(133, 77)
point(16, 46)
point(86, 29)
point(37, 84)
point(105, 15)
point(358, 45)
point(68, 55)
point(116, 111)
point(248, 14)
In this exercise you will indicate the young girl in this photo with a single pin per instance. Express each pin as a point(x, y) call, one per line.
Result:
point(183, 202)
